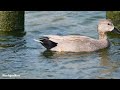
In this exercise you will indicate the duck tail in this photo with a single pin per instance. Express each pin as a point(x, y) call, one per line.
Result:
point(48, 44)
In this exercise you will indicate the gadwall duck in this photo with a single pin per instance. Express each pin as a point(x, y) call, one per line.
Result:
point(77, 43)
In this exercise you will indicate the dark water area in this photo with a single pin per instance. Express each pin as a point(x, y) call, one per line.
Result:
point(21, 55)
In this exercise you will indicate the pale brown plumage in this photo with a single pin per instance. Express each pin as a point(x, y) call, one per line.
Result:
point(76, 43)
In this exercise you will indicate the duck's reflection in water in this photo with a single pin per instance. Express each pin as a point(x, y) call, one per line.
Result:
point(106, 62)
point(48, 54)
point(109, 67)
point(63, 55)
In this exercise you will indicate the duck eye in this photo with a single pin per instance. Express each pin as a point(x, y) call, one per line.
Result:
point(109, 24)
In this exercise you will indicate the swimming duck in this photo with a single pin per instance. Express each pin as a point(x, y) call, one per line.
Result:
point(77, 43)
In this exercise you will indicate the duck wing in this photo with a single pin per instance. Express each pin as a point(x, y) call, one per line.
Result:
point(72, 42)
point(74, 38)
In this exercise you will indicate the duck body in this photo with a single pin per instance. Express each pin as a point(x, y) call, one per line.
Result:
point(73, 43)
point(77, 43)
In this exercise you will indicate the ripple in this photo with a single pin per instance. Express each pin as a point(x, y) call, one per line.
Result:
point(58, 19)
point(21, 55)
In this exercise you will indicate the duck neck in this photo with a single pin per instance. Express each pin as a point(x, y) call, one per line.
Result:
point(104, 42)
point(102, 36)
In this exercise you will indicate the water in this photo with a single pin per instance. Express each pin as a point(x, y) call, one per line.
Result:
point(21, 55)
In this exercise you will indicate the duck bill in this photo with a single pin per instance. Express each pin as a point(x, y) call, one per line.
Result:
point(116, 31)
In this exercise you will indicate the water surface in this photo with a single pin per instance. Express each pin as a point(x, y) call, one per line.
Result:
point(21, 55)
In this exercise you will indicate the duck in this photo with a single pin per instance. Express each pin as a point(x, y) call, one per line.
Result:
point(79, 43)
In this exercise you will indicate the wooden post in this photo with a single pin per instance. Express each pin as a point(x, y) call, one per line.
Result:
point(11, 20)
point(115, 17)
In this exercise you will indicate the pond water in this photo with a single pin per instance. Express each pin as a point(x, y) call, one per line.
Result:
point(20, 55)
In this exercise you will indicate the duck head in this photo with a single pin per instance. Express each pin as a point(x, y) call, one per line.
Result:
point(106, 25)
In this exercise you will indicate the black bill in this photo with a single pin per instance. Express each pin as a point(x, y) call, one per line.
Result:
point(116, 31)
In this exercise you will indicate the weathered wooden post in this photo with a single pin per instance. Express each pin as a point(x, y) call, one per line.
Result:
point(11, 24)
point(11, 20)
point(115, 17)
